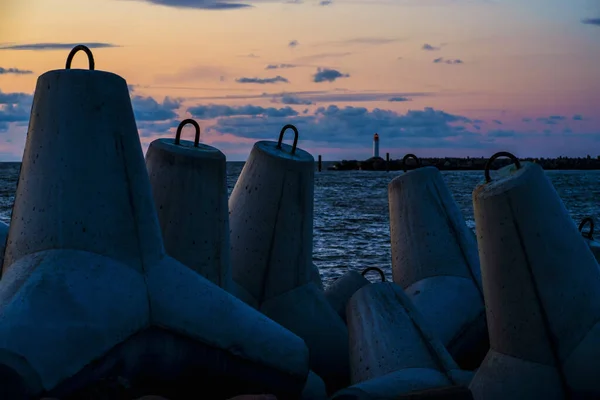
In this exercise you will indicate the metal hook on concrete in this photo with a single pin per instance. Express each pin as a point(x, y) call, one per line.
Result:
point(494, 157)
point(180, 128)
point(86, 50)
point(584, 222)
point(407, 157)
point(292, 127)
point(369, 269)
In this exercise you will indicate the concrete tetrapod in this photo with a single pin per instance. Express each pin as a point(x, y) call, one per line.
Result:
point(189, 185)
point(88, 292)
point(342, 289)
point(435, 260)
point(3, 237)
point(315, 276)
point(271, 219)
point(392, 350)
point(541, 291)
point(589, 237)
point(306, 312)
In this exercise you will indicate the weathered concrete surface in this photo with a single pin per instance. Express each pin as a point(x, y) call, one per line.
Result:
point(189, 185)
point(395, 384)
point(594, 247)
point(3, 237)
point(306, 312)
point(315, 276)
point(340, 291)
point(85, 268)
point(271, 221)
point(358, 392)
point(541, 286)
point(392, 348)
point(504, 377)
point(314, 388)
point(434, 258)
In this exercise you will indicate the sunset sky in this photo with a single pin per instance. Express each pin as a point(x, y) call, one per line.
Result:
point(432, 77)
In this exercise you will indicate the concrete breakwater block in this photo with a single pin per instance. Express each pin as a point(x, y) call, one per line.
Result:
point(541, 286)
point(189, 186)
point(392, 350)
point(589, 237)
point(342, 289)
point(88, 292)
point(3, 237)
point(315, 388)
point(435, 260)
point(306, 312)
point(315, 276)
point(271, 219)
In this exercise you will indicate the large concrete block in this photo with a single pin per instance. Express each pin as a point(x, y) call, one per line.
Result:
point(589, 237)
point(189, 185)
point(434, 258)
point(86, 274)
point(541, 285)
point(392, 349)
point(3, 238)
point(341, 290)
point(271, 219)
point(306, 312)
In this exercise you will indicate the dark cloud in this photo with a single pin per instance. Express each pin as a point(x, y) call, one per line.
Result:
point(328, 75)
point(399, 99)
point(293, 43)
point(425, 128)
point(280, 66)
point(325, 2)
point(591, 21)
point(54, 46)
point(16, 71)
point(14, 108)
point(501, 133)
point(320, 56)
point(324, 96)
point(148, 109)
point(526, 120)
point(212, 111)
point(497, 122)
point(198, 4)
point(428, 47)
point(551, 120)
point(293, 100)
point(577, 117)
point(449, 61)
point(263, 81)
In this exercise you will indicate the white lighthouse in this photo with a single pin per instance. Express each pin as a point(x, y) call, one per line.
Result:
point(376, 145)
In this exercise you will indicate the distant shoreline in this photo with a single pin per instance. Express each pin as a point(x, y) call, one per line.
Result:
point(462, 164)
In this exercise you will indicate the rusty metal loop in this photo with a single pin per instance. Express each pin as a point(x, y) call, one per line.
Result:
point(407, 157)
point(494, 157)
point(180, 128)
point(86, 50)
point(584, 222)
point(369, 269)
point(285, 128)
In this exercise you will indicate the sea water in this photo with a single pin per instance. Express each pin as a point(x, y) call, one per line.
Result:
point(351, 225)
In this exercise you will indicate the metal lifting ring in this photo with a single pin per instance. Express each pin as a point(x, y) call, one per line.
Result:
point(86, 50)
point(407, 157)
point(292, 127)
point(369, 269)
point(180, 128)
point(494, 157)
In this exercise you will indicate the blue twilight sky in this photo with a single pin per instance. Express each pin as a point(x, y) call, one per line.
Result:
point(432, 77)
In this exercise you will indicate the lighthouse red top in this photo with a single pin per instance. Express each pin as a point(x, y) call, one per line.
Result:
point(376, 137)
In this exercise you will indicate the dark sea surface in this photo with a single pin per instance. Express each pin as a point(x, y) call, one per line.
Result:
point(351, 228)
